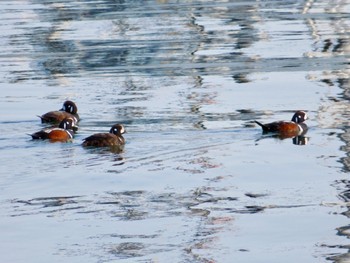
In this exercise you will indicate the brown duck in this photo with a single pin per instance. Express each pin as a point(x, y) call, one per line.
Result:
point(69, 110)
point(113, 138)
point(294, 127)
point(63, 133)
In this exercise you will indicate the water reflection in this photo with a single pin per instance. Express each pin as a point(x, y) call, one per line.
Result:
point(329, 40)
point(209, 210)
point(212, 212)
point(111, 39)
point(296, 140)
point(301, 140)
point(99, 156)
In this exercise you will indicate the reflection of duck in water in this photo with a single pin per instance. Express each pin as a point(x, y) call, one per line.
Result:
point(300, 140)
point(112, 139)
point(296, 128)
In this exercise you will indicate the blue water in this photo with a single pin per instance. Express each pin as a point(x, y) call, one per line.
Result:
point(197, 181)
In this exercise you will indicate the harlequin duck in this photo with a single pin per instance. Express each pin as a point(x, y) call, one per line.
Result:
point(63, 133)
point(294, 127)
point(69, 109)
point(113, 138)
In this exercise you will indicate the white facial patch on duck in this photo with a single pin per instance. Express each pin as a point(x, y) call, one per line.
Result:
point(303, 116)
point(115, 130)
point(67, 125)
point(69, 108)
point(299, 117)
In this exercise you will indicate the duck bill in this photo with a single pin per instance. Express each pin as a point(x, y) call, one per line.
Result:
point(75, 128)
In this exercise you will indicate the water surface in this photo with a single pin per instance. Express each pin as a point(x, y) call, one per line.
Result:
point(196, 182)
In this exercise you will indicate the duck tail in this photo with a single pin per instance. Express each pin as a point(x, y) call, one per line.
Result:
point(41, 118)
point(32, 135)
point(263, 126)
point(38, 135)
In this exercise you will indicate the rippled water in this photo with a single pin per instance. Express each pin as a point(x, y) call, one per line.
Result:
point(197, 181)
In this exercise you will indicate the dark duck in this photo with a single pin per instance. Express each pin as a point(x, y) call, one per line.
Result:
point(69, 110)
point(112, 139)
